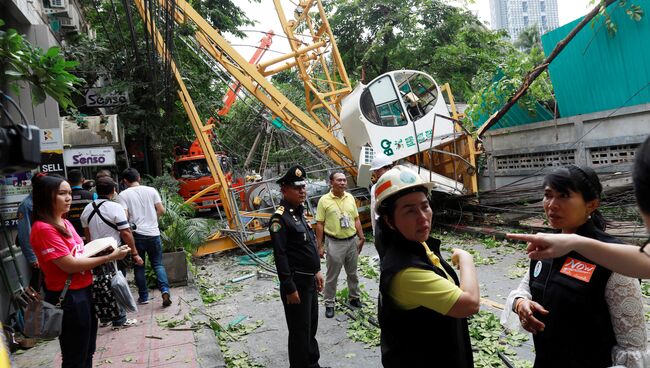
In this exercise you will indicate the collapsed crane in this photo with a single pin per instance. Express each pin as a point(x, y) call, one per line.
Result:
point(401, 113)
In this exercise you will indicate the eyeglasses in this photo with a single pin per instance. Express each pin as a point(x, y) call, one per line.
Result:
point(643, 247)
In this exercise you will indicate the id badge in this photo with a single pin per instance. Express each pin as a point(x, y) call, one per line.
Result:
point(344, 221)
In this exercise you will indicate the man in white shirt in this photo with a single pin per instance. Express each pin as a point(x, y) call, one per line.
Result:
point(104, 218)
point(144, 207)
point(380, 164)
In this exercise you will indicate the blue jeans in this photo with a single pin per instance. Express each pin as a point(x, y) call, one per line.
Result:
point(151, 246)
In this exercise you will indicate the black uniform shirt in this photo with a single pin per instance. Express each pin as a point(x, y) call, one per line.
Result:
point(294, 245)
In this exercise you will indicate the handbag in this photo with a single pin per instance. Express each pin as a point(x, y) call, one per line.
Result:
point(106, 307)
point(42, 319)
point(122, 292)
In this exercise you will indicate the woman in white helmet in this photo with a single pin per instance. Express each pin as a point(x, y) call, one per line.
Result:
point(422, 305)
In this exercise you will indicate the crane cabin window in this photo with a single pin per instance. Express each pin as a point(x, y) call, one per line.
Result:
point(419, 93)
point(380, 103)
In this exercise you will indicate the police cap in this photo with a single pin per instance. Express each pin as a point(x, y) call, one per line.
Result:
point(295, 176)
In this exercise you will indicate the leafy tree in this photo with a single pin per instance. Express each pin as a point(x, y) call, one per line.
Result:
point(47, 72)
point(448, 42)
point(529, 38)
point(491, 90)
point(123, 54)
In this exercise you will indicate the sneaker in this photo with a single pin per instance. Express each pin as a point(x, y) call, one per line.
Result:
point(167, 301)
point(143, 301)
point(356, 303)
point(125, 324)
point(329, 312)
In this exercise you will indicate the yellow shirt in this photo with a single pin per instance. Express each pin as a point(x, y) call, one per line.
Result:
point(415, 287)
point(330, 210)
point(4, 353)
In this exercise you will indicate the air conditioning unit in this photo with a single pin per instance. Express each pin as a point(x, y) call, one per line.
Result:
point(67, 22)
point(51, 7)
point(58, 4)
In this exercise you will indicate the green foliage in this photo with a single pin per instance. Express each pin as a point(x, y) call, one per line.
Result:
point(209, 293)
point(529, 38)
point(163, 183)
point(47, 72)
point(604, 18)
point(154, 114)
point(645, 289)
point(368, 268)
point(494, 86)
point(449, 43)
point(360, 329)
point(177, 227)
point(488, 337)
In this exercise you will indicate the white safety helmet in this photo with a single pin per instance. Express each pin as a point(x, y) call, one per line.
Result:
point(380, 161)
point(395, 180)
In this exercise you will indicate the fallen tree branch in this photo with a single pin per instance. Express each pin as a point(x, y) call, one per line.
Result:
point(538, 70)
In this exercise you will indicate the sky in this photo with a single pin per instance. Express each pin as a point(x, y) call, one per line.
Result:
point(265, 14)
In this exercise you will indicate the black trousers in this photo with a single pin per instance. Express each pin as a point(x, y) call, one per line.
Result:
point(79, 332)
point(302, 320)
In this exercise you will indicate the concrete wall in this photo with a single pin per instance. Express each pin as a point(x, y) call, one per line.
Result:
point(605, 141)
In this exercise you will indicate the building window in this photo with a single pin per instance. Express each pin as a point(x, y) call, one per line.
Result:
point(542, 6)
point(524, 6)
point(544, 21)
point(525, 21)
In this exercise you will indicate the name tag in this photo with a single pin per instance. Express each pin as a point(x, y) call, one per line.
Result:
point(578, 269)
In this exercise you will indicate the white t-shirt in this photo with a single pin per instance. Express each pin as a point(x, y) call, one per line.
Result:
point(373, 214)
point(141, 201)
point(113, 212)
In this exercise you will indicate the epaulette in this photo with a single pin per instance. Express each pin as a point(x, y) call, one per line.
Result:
point(280, 210)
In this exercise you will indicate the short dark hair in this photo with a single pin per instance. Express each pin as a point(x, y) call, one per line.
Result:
point(641, 176)
point(578, 179)
point(334, 173)
point(75, 177)
point(102, 173)
point(105, 185)
point(131, 175)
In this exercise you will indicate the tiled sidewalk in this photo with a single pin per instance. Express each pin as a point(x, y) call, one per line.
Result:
point(146, 344)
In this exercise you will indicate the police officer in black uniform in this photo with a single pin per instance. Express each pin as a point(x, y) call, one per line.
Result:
point(298, 264)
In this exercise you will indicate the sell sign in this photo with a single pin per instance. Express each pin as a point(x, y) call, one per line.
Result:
point(100, 156)
point(98, 98)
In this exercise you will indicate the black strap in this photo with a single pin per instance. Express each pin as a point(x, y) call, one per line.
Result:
point(96, 211)
point(68, 281)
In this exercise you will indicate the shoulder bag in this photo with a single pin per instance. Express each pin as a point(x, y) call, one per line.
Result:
point(42, 319)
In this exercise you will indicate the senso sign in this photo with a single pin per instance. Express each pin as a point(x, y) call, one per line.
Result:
point(97, 98)
point(100, 156)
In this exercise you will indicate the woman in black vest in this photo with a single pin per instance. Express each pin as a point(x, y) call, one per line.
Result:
point(580, 313)
point(619, 258)
point(422, 305)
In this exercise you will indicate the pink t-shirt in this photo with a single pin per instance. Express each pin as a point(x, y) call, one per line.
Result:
point(48, 245)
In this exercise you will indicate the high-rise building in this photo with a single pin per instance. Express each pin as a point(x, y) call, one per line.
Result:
point(516, 15)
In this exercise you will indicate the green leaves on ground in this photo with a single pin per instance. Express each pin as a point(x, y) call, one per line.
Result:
point(211, 294)
point(368, 268)
point(490, 338)
point(360, 329)
point(236, 333)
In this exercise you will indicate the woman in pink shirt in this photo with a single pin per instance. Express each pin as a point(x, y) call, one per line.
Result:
point(59, 251)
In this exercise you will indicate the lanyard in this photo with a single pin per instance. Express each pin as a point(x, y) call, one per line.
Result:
point(435, 260)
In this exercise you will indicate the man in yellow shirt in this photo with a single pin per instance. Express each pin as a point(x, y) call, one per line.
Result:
point(4, 350)
point(337, 221)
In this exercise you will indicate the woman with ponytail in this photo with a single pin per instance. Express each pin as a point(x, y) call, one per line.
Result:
point(581, 314)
